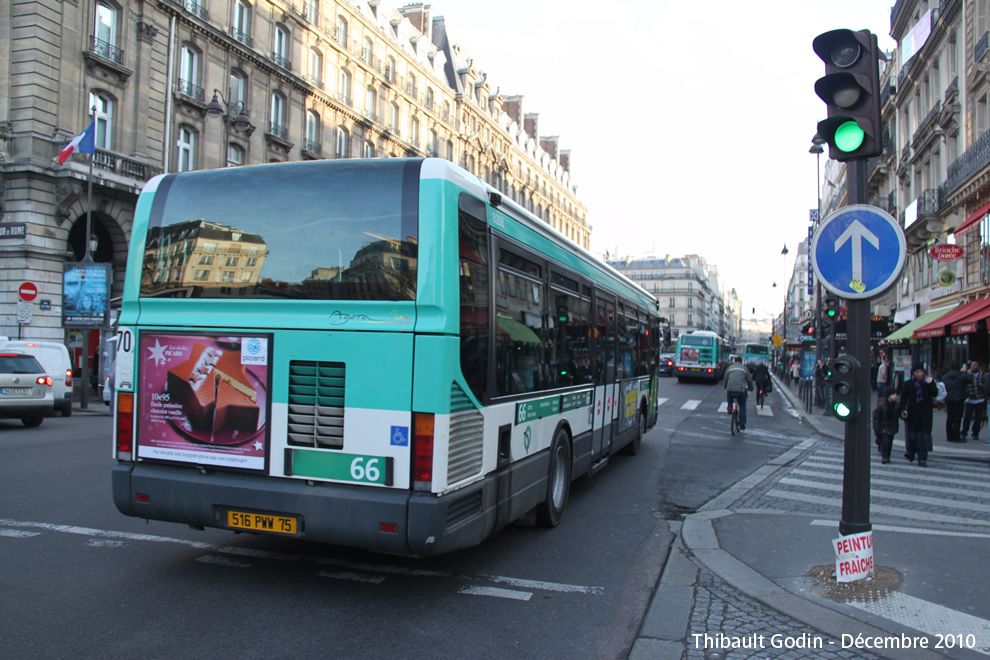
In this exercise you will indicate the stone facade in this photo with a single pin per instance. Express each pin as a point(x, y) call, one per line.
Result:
point(292, 80)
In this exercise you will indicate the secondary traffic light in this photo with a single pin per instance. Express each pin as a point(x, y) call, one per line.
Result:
point(845, 401)
point(851, 90)
point(830, 310)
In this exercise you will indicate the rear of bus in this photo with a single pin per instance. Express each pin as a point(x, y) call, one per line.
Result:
point(699, 356)
point(271, 321)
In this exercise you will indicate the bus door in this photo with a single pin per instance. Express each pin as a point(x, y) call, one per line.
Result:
point(605, 390)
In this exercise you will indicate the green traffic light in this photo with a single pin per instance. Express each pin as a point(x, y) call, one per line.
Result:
point(849, 137)
point(831, 313)
point(842, 411)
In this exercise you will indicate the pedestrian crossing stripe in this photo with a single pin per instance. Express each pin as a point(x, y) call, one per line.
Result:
point(693, 404)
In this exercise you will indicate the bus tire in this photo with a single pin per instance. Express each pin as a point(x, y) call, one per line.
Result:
point(632, 448)
point(550, 512)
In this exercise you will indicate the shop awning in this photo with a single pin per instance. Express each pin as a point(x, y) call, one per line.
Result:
point(968, 323)
point(940, 326)
point(907, 331)
point(516, 331)
point(973, 218)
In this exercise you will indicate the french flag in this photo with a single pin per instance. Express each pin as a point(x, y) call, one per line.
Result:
point(84, 143)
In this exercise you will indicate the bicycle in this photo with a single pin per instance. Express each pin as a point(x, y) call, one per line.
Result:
point(760, 397)
point(734, 419)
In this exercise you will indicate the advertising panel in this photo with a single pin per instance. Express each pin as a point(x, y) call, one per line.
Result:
point(204, 399)
point(85, 294)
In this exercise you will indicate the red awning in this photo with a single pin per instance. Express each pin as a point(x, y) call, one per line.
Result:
point(973, 218)
point(968, 323)
point(939, 327)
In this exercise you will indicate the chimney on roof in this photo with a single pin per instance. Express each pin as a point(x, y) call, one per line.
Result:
point(512, 106)
point(549, 144)
point(531, 124)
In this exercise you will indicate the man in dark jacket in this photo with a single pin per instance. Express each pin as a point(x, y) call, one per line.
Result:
point(976, 404)
point(885, 424)
point(917, 397)
point(956, 384)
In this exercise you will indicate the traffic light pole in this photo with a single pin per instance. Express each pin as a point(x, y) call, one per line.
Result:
point(856, 462)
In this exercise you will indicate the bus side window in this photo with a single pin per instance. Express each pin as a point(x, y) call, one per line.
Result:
point(474, 296)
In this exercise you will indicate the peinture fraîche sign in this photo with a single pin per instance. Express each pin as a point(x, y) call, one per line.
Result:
point(945, 252)
point(853, 557)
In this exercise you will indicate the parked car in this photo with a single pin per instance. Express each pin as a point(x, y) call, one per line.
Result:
point(667, 364)
point(25, 388)
point(54, 357)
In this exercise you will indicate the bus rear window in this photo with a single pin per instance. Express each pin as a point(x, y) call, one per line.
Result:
point(317, 230)
point(697, 341)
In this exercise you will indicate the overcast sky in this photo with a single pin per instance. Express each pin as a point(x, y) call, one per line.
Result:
point(688, 123)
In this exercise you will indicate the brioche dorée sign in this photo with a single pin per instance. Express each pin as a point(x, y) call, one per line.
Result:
point(945, 252)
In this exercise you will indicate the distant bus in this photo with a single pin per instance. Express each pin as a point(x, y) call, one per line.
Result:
point(700, 355)
point(754, 354)
point(377, 353)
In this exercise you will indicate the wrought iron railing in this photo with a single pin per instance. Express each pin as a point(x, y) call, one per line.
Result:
point(282, 61)
point(278, 130)
point(981, 47)
point(135, 169)
point(106, 51)
point(930, 202)
point(313, 146)
point(969, 163)
point(313, 80)
point(196, 8)
point(927, 121)
point(952, 89)
point(242, 37)
point(192, 91)
point(344, 98)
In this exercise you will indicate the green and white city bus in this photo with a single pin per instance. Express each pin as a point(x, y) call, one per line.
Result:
point(701, 354)
point(384, 354)
point(754, 354)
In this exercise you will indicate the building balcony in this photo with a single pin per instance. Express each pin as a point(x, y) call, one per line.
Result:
point(968, 164)
point(196, 9)
point(282, 61)
point(242, 37)
point(277, 130)
point(313, 80)
point(109, 161)
point(981, 47)
point(186, 88)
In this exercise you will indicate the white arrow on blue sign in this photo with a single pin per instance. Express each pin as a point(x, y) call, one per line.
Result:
point(858, 251)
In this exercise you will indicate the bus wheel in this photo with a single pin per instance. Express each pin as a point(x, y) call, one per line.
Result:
point(632, 448)
point(550, 511)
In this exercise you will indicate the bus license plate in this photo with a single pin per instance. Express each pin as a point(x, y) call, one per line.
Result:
point(262, 522)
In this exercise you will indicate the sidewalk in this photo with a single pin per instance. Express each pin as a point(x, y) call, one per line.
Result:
point(738, 571)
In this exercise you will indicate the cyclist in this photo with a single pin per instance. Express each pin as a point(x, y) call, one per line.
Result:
point(737, 382)
point(761, 377)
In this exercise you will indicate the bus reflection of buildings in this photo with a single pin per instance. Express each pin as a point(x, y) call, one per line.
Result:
point(202, 254)
point(381, 270)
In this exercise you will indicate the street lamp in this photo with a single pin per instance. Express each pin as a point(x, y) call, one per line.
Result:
point(220, 107)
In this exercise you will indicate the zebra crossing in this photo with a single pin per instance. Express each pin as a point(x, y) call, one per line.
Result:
point(693, 404)
point(949, 491)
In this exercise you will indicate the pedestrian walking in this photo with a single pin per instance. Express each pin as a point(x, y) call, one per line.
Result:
point(956, 384)
point(795, 371)
point(883, 373)
point(885, 424)
point(976, 404)
point(916, 407)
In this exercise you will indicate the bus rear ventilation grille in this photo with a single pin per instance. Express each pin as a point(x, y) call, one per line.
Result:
point(467, 429)
point(463, 508)
point(316, 404)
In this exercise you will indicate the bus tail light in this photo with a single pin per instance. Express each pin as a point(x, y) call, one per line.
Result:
point(422, 451)
point(124, 429)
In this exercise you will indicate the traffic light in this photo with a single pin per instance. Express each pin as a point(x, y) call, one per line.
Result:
point(845, 401)
point(830, 311)
point(851, 90)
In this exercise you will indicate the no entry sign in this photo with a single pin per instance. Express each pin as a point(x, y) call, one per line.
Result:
point(27, 291)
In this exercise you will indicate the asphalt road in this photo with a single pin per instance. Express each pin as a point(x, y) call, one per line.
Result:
point(80, 579)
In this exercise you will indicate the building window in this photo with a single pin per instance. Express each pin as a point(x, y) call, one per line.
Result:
point(368, 53)
point(393, 116)
point(429, 98)
point(344, 89)
point(238, 85)
point(370, 103)
point(390, 69)
point(102, 108)
point(105, 29)
point(316, 68)
point(411, 84)
point(369, 150)
point(189, 72)
point(231, 261)
point(228, 276)
point(312, 129)
point(312, 10)
point(186, 150)
point(414, 131)
point(341, 34)
point(450, 150)
point(202, 275)
point(432, 146)
point(241, 27)
point(341, 150)
point(280, 47)
point(278, 116)
point(235, 155)
point(251, 262)
point(446, 111)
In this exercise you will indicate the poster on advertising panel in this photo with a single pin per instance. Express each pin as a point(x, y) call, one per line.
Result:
point(85, 294)
point(204, 399)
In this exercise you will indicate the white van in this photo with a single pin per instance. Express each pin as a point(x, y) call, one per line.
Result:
point(54, 357)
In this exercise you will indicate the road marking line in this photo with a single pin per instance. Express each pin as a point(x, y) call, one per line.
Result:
point(926, 531)
point(896, 511)
point(936, 620)
point(889, 482)
point(223, 561)
point(907, 469)
point(18, 533)
point(496, 592)
point(544, 586)
point(765, 411)
point(691, 404)
point(353, 577)
point(874, 492)
point(662, 400)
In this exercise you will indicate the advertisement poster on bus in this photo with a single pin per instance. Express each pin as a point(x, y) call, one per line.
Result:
point(204, 399)
point(85, 292)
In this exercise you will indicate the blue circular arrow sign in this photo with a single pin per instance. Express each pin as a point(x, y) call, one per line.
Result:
point(858, 251)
